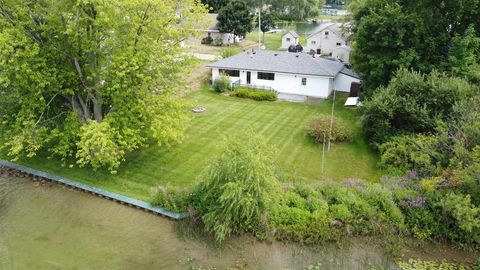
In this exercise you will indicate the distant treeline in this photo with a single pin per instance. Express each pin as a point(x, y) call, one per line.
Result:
point(282, 9)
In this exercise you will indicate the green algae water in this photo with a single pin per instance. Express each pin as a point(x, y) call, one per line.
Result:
point(53, 227)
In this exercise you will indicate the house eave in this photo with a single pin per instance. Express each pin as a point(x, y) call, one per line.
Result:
point(272, 71)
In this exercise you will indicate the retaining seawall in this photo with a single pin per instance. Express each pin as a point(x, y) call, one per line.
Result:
point(94, 190)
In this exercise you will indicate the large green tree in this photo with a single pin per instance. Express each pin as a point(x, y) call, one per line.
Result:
point(389, 34)
point(465, 55)
point(215, 5)
point(235, 18)
point(267, 22)
point(91, 80)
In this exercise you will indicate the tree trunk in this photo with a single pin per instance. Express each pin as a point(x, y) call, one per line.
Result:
point(97, 109)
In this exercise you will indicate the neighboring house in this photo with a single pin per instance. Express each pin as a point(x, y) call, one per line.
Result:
point(290, 38)
point(327, 39)
point(342, 53)
point(213, 32)
point(297, 74)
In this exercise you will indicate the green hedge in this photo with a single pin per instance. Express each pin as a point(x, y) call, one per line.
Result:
point(259, 95)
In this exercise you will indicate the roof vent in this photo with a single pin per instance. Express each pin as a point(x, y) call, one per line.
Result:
point(297, 55)
point(276, 54)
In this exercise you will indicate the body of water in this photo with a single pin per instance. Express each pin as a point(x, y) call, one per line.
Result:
point(303, 28)
point(52, 227)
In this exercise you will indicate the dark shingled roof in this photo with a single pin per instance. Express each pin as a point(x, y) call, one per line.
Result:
point(282, 62)
point(350, 73)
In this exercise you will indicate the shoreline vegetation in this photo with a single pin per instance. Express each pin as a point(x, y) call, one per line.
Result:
point(410, 253)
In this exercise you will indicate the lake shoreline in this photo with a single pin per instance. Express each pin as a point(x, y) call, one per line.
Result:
point(412, 250)
point(13, 169)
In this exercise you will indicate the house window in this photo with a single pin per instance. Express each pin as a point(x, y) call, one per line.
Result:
point(288, 39)
point(266, 76)
point(230, 72)
point(314, 42)
point(339, 44)
point(304, 81)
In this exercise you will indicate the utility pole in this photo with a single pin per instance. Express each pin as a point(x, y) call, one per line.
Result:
point(331, 121)
point(260, 25)
point(323, 153)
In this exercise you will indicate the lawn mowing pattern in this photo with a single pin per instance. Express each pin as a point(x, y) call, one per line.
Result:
point(281, 123)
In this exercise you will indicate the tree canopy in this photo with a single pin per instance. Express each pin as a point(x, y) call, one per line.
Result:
point(413, 103)
point(267, 22)
point(411, 34)
point(238, 187)
point(297, 10)
point(91, 80)
point(235, 18)
point(215, 5)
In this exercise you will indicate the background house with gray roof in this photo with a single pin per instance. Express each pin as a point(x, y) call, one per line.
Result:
point(290, 38)
point(328, 39)
point(297, 74)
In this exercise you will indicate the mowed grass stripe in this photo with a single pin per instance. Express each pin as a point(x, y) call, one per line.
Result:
point(281, 123)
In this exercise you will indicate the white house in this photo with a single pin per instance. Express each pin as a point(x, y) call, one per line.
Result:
point(289, 74)
point(342, 53)
point(214, 32)
point(290, 38)
point(327, 39)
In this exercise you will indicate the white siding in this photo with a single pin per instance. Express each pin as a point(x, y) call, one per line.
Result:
point(313, 42)
point(319, 87)
point(326, 43)
point(216, 74)
point(287, 43)
point(343, 82)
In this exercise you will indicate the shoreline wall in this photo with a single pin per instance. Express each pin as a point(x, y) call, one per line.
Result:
point(17, 170)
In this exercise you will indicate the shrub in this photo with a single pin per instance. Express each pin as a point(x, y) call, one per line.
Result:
point(411, 153)
point(412, 103)
point(319, 128)
point(328, 212)
point(229, 51)
point(221, 84)
point(431, 265)
point(436, 212)
point(258, 95)
point(237, 188)
point(458, 212)
point(207, 40)
point(171, 199)
point(217, 42)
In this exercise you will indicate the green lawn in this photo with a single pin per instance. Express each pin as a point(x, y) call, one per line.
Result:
point(282, 123)
point(273, 41)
